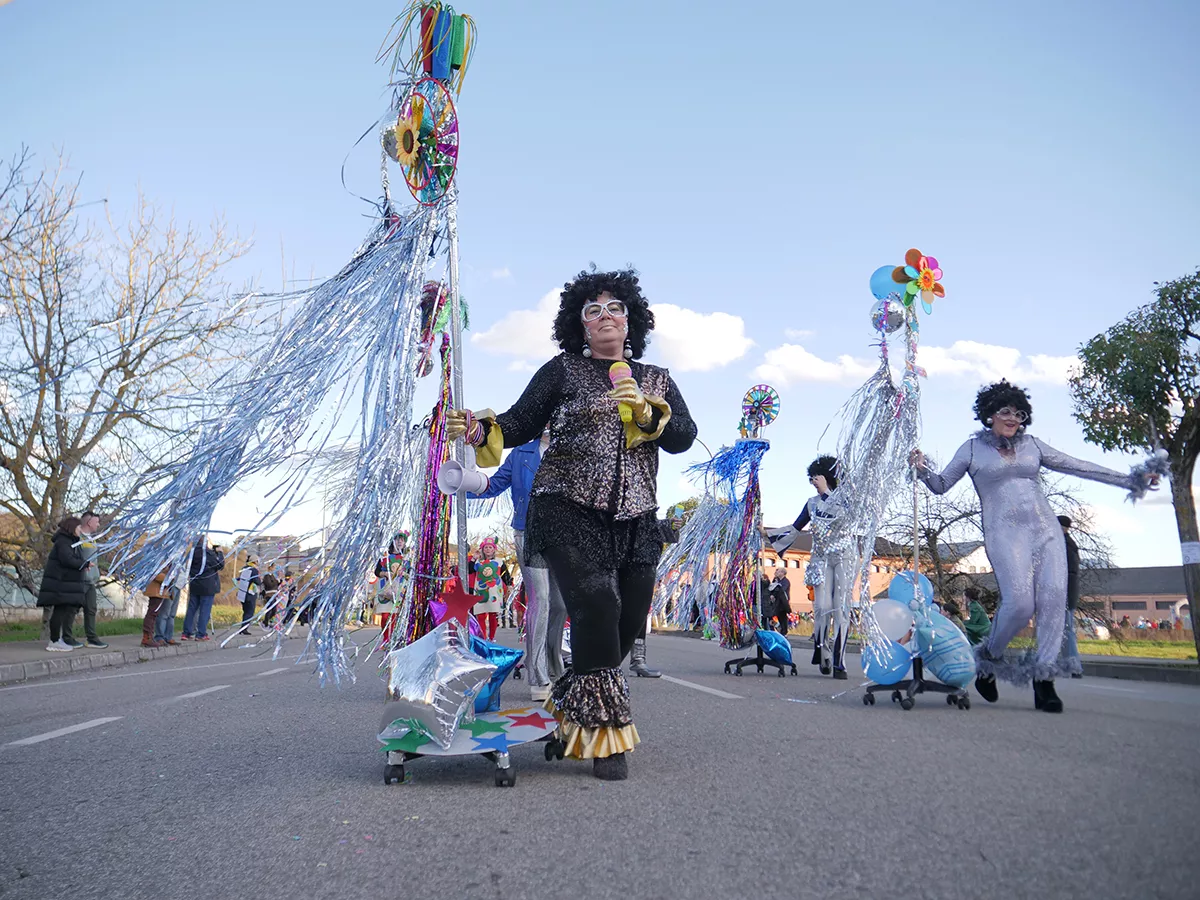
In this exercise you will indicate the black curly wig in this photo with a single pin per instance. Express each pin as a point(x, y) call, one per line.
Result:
point(999, 395)
point(587, 286)
point(827, 466)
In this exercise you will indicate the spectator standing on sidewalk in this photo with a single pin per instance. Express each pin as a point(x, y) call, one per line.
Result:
point(270, 587)
point(164, 625)
point(157, 593)
point(91, 574)
point(1070, 647)
point(63, 587)
point(248, 583)
point(205, 571)
point(979, 626)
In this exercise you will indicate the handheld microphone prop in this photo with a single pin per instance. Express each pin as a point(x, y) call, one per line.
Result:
point(616, 372)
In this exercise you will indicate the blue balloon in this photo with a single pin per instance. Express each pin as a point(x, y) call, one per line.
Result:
point(886, 663)
point(775, 645)
point(882, 284)
point(505, 659)
point(946, 652)
point(901, 588)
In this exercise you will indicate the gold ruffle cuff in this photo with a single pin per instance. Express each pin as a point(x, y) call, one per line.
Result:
point(635, 436)
point(593, 743)
point(487, 454)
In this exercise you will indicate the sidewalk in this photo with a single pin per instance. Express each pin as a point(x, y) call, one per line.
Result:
point(23, 660)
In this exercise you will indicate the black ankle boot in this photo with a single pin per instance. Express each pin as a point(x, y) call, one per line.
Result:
point(816, 660)
point(986, 686)
point(611, 768)
point(1046, 698)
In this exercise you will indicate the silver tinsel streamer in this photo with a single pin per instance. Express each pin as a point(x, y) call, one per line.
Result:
point(358, 330)
point(881, 424)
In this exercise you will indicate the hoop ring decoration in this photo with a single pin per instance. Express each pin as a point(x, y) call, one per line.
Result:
point(760, 406)
point(424, 141)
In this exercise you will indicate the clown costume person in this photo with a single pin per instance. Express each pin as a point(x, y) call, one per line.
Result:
point(592, 512)
point(491, 575)
point(1021, 535)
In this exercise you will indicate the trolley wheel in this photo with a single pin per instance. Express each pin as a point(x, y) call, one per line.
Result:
point(906, 703)
point(393, 774)
point(516, 674)
point(895, 696)
point(964, 702)
point(554, 749)
point(727, 668)
point(795, 671)
point(506, 777)
point(868, 699)
point(782, 673)
point(951, 700)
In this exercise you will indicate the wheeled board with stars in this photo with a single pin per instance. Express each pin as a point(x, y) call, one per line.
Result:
point(490, 735)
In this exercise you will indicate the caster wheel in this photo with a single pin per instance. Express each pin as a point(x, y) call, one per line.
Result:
point(868, 699)
point(506, 777)
point(782, 674)
point(553, 750)
point(895, 696)
point(964, 702)
point(517, 675)
point(726, 668)
point(737, 672)
point(393, 775)
point(951, 700)
point(795, 671)
point(906, 703)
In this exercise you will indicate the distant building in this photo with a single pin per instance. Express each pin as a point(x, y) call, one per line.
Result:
point(888, 559)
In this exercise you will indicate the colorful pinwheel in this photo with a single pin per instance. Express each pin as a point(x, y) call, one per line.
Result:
point(920, 275)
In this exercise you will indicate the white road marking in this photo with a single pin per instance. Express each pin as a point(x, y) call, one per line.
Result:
point(208, 690)
point(700, 687)
point(271, 672)
point(70, 729)
point(1105, 687)
point(154, 671)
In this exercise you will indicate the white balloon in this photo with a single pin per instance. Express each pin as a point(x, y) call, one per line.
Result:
point(894, 618)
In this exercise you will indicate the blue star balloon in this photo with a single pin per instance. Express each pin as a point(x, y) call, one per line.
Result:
point(505, 659)
point(775, 645)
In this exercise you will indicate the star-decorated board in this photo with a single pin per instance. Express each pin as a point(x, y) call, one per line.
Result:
point(490, 732)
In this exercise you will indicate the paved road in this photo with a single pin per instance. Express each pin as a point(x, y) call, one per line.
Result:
point(220, 776)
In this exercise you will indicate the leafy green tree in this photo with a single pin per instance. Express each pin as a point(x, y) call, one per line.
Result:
point(1136, 390)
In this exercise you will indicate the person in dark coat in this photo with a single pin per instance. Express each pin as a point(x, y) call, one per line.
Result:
point(781, 596)
point(205, 571)
point(64, 587)
point(1070, 648)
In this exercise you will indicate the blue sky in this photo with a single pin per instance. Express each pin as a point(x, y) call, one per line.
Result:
point(757, 161)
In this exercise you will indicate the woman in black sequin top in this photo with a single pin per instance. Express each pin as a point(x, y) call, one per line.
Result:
point(591, 516)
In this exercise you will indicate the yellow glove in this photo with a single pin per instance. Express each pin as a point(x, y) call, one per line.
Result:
point(462, 423)
point(628, 392)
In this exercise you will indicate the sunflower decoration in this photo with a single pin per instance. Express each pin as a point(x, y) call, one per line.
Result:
point(921, 276)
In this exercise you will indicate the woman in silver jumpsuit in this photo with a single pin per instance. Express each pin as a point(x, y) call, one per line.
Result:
point(1021, 536)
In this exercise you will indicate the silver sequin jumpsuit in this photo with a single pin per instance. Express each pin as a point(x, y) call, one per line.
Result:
point(1023, 541)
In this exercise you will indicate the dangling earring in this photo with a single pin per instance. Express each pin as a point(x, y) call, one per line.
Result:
point(587, 351)
point(628, 349)
point(988, 422)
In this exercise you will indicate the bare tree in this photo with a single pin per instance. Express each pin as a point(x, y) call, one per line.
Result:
point(109, 335)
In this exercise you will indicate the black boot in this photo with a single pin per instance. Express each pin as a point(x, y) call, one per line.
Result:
point(611, 768)
point(1046, 698)
point(816, 660)
point(986, 686)
point(637, 661)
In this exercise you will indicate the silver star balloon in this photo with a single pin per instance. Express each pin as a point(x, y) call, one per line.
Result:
point(434, 680)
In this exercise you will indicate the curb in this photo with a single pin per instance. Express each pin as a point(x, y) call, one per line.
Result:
point(1174, 673)
point(87, 662)
point(1128, 671)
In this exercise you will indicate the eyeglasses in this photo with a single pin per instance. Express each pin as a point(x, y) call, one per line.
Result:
point(1009, 413)
point(593, 311)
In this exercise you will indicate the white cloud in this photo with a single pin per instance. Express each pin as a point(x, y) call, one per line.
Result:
point(1107, 520)
point(797, 334)
point(991, 362)
point(500, 274)
point(690, 341)
point(683, 339)
point(790, 363)
point(524, 333)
